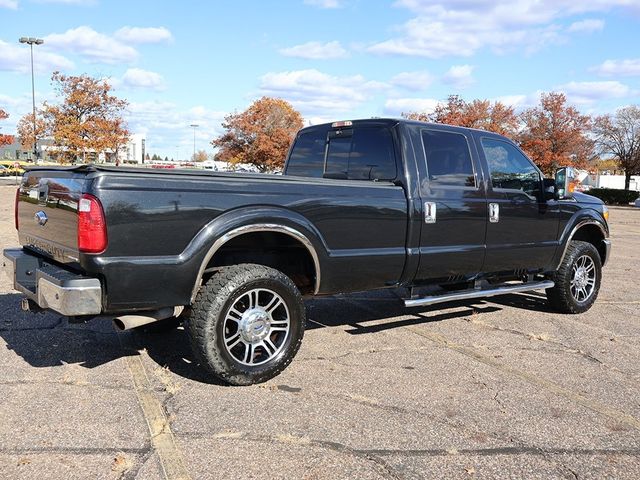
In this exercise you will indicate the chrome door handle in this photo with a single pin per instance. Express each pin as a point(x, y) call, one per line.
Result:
point(429, 212)
point(494, 212)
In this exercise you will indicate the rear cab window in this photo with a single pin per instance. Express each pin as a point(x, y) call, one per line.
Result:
point(352, 153)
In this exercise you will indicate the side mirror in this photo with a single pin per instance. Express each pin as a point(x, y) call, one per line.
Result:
point(565, 177)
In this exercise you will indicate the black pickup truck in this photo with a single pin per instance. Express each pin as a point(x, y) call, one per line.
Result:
point(362, 205)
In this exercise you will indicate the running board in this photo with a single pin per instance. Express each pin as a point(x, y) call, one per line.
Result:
point(477, 293)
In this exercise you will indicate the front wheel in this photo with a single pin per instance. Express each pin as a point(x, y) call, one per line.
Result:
point(577, 281)
point(246, 324)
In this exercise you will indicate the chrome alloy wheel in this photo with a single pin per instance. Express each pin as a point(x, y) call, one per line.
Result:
point(583, 278)
point(256, 327)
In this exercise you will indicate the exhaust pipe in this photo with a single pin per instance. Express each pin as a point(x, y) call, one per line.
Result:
point(127, 322)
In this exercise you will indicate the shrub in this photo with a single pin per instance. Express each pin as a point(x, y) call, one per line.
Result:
point(614, 196)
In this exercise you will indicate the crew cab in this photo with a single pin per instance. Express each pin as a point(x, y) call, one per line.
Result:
point(445, 212)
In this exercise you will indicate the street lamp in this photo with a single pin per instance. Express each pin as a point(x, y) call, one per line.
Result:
point(194, 126)
point(31, 41)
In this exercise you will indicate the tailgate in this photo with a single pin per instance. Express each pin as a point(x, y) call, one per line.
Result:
point(48, 212)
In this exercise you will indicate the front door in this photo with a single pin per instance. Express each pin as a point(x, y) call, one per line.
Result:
point(522, 230)
point(454, 206)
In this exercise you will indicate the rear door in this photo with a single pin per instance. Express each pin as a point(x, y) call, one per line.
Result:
point(522, 230)
point(452, 240)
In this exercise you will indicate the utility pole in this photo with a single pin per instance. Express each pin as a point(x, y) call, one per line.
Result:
point(31, 41)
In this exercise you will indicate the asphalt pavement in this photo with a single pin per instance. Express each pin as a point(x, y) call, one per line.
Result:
point(502, 388)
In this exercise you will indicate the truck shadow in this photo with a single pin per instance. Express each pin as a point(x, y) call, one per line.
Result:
point(48, 340)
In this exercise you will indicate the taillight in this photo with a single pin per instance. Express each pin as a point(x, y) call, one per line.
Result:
point(92, 228)
point(15, 208)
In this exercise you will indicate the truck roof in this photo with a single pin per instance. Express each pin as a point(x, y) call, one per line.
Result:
point(390, 122)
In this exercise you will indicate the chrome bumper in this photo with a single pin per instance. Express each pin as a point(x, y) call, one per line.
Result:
point(607, 250)
point(52, 287)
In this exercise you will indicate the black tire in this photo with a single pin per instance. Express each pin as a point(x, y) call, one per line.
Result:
point(209, 334)
point(161, 326)
point(561, 297)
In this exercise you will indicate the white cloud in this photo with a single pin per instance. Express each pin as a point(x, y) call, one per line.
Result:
point(167, 127)
point(144, 34)
point(625, 68)
point(316, 93)
point(462, 27)
point(94, 46)
point(325, 3)
point(15, 58)
point(582, 93)
point(397, 106)
point(139, 78)
point(586, 26)
point(459, 76)
point(316, 51)
point(412, 80)
point(10, 4)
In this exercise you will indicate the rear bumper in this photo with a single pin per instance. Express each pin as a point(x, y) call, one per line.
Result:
point(52, 287)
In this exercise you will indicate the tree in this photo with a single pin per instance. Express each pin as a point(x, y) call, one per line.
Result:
point(89, 118)
point(619, 135)
point(493, 117)
point(5, 139)
point(199, 156)
point(25, 130)
point(555, 134)
point(260, 135)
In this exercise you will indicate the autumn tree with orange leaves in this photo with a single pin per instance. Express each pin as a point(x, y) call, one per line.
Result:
point(483, 114)
point(25, 130)
point(260, 135)
point(556, 135)
point(5, 139)
point(89, 118)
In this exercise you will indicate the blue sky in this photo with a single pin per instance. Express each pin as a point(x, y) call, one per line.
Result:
point(179, 63)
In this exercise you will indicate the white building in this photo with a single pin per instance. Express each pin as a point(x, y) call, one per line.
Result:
point(134, 151)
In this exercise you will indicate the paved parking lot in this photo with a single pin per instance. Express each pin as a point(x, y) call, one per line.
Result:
point(485, 389)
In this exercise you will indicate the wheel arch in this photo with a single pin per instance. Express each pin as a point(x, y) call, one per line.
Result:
point(587, 229)
point(247, 227)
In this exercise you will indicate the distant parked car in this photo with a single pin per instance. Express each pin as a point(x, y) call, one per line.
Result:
point(4, 171)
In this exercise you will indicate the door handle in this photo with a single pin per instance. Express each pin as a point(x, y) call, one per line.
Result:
point(429, 212)
point(494, 212)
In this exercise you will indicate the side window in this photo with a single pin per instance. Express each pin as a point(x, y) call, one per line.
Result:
point(448, 159)
point(510, 168)
point(307, 155)
point(361, 154)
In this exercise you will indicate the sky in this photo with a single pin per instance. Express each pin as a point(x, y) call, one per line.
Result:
point(190, 62)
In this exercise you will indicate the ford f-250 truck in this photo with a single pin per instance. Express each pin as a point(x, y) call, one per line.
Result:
point(362, 205)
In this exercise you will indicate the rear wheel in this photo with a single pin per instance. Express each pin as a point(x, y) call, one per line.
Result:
point(577, 281)
point(246, 324)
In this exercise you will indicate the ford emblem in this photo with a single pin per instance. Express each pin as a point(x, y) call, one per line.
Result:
point(40, 218)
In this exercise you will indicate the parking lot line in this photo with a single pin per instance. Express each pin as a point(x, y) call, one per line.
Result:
point(162, 438)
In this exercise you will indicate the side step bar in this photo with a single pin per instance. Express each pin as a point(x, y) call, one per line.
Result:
point(477, 293)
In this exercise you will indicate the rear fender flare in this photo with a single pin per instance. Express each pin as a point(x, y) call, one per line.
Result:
point(234, 223)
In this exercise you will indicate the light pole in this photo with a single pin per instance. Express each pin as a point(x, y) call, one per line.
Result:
point(31, 41)
point(194, 126)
